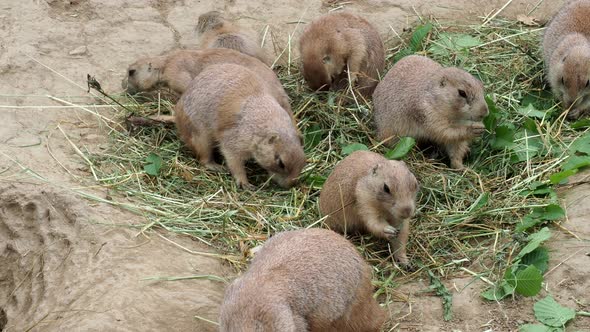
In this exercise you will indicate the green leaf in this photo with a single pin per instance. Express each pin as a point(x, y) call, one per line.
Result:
point(504, 138)
point(562, 176)
point(418, 36)
point(491, 119)
point(442, 291)
point(531, 127)
point(552, 212)
point(402, 54)
point(453, 42)
point(576, 162)
point(527, 222)
point(316, 180)
point(535, 241)
point(551, 313)
point(498, 292)
point(531, 111)
point(581, 144)
point(539, 215)
point(403, 146)
point(538, 257)
point(538, 188)
point(541, 99)
point(354, 147)
point(528, 281)
point(313, 136)
point(538, 328)
point(415, 42)
point(584, 123)
point(154, 164)
point(480, 202)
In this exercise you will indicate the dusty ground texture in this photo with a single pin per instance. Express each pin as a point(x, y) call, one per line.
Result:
point(72, 264)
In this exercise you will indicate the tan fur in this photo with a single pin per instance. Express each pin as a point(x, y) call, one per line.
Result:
point(335, 42)
point(176, 70)
point(228, 105)
point(217, 32)
point(305, 280)
point(355, 199)
point(566, 48)
point(421, 99)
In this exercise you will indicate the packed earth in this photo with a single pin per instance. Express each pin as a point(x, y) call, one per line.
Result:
point(79, 255)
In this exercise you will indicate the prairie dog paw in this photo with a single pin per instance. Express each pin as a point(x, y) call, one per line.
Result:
point(215, 167)
point(457, 164)
point(390, 231)
point(477, 128)
point(245, 185)
point(402, 259)
point(353, 78)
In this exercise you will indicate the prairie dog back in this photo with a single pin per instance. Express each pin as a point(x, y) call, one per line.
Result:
point(228, 106)
point(337, 42)
point(566, 50)
point(177, 69)
point(304, 280)
point(420, 98)
point(215, 31)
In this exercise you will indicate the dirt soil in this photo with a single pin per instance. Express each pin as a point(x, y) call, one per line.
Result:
point(72, 264)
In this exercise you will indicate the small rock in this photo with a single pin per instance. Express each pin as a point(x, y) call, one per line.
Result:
point(79, 50)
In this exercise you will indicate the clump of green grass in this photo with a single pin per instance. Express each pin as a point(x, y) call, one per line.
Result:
point(465, 221)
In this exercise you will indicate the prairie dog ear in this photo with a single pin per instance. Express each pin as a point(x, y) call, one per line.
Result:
point(273, 139)
point(376, 169)
point(326, 59)
point(300, 139)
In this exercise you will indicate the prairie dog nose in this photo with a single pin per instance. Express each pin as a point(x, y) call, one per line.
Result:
point(406, 211)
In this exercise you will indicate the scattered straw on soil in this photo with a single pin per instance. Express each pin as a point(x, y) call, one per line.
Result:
point(464, 220)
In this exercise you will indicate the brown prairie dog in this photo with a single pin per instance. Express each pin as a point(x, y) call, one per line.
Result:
point(566, 48)
point(369, 193)
point(217, 32)
point(177, 69)
point(421, 99)
point(305, 280)
point(228, 106)
point(337, 42)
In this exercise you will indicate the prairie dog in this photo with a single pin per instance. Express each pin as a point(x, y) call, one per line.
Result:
point(421, 99)
point(337, 42)
point(177, 69)
point(305, 280)
point(217, 32)
point(228, 106)
point(369, 193)
point(566, 49)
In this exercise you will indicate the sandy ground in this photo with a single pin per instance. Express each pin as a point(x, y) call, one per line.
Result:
point(71, 264)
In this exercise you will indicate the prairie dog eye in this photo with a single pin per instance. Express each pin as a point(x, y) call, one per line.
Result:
point(563, 81)
point(588, 83)
point(326, 59)
point(462, 93)
point(131, 72)
point(281, 164)
point(386, 188)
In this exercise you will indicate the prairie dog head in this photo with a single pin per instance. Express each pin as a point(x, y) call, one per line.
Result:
point(392, 187)
point(459, 96)
point(569, 74)
point(143, 75)
point(281, 154)
point(323, 61)
point(210, 21)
